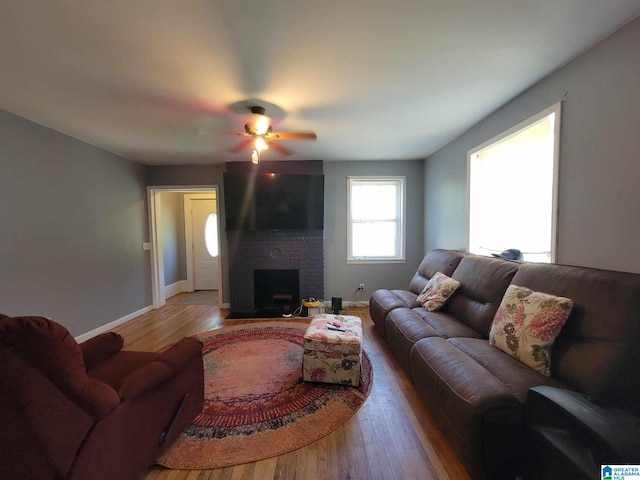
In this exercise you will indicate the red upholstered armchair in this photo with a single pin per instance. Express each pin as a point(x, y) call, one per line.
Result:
point(90, 411)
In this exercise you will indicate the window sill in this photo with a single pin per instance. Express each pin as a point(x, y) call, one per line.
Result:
point(375, 260)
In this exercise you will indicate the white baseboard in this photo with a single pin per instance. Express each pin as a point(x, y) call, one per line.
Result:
point(363, 303)
point(176, 288)
point(112, 325)
point(359, 303)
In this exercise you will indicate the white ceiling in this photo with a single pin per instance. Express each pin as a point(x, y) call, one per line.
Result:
point(375, 79)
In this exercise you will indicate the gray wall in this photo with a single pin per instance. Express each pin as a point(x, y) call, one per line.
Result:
point(73, 221)
point(599, 197)
point(173, 237)
point(342, 279)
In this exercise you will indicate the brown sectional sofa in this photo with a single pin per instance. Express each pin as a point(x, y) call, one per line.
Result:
point(475, 391)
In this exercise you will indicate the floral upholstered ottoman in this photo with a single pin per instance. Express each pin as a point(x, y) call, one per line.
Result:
point(333, 350)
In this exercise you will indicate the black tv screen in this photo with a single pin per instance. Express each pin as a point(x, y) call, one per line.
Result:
point(274, 201)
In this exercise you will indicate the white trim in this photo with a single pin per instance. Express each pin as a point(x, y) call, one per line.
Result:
point(401, 211)
point(110, 326)
point(157, 264)
point(555, 108)
point(188, 238)
point(176, 288)
point(154, 208)
point(376, 260)
point(346, 304)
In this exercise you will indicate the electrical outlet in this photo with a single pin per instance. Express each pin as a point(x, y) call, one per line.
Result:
point(361, 287)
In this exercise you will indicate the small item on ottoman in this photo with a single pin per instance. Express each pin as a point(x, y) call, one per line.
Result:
point(333, 354)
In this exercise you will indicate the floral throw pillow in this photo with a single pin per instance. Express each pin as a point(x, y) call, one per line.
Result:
point(437, 291)
point(526, 325)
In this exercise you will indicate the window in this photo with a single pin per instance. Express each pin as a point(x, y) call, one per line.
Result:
point(375, 208)
point(211, 234)
point(513, 190)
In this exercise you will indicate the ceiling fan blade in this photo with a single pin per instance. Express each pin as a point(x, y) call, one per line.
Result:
point(294, 135)
point(276, 146)
point(242, 145)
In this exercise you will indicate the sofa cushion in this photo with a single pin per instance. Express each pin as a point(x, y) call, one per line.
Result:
point(115, 369)
point(383, 301)
point(483, 281)
point(596, 352)
point(438, 260)
point(445, 325)
point(458, 392)
point(526, 325)
point(97, 349)
point(181, 353)
point(144, 379)
point(470, 388)
point(406, 326)
point(437, 291)
point(517, 377)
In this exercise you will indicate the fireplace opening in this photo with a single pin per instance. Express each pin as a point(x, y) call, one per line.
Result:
point(275, 291)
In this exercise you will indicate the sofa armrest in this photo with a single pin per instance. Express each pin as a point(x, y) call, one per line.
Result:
point(181, 352)
point(99, 348)
point(144, 379)
point(609, 433)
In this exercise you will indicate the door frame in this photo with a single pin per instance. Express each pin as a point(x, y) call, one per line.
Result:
point(188, 234)
point(155, 235)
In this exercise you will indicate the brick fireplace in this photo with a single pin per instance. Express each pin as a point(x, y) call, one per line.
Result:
point(259, 250)
point(285, 250)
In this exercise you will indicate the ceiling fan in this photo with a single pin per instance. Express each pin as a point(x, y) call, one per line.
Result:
point(262, 137)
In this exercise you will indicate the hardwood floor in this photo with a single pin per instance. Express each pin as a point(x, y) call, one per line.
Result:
point(391, 437)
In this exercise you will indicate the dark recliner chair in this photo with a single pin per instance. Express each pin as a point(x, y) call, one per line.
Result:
point(91, 410)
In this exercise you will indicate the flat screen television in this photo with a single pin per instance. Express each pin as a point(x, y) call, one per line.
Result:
point(274, 201)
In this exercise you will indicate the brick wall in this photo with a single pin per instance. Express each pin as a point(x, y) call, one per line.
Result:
point(283, 249)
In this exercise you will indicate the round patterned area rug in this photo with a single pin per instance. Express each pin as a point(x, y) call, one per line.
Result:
point(256, 404)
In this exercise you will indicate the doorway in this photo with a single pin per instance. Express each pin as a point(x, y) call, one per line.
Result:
point(212, 271)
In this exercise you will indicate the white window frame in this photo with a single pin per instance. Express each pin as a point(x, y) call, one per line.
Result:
point(555, 109)
point(401, 194)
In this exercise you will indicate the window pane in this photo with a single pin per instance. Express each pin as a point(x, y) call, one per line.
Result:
point(376, 219)
point(373, 202)
point(511, 193)
point(374, 239)
point(211, 234)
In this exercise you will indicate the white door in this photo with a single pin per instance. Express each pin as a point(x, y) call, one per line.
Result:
point(206, 255)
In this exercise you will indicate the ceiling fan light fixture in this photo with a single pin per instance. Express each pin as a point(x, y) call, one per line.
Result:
point(261, 125)
point(259, 144)
point(260, 135)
